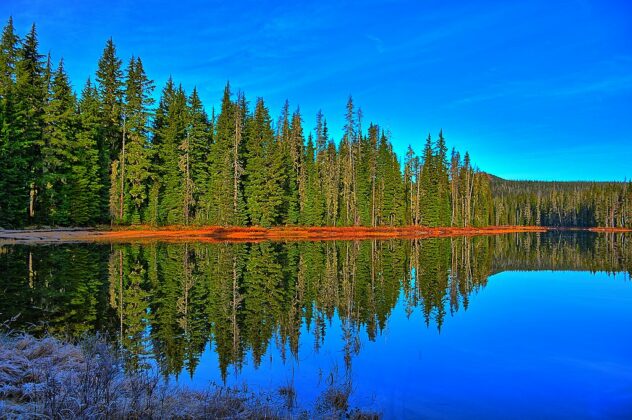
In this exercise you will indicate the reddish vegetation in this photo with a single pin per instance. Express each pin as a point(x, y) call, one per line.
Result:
point(257, 234)
point(610, 229)
point(253, 234)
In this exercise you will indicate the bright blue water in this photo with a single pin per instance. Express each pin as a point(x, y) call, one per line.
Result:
point(531, 344)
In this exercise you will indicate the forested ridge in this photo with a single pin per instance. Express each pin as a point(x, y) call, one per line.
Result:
point(563, 204)
point(112, 156)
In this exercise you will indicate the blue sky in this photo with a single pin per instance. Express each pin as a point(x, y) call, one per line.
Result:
point(533, 90)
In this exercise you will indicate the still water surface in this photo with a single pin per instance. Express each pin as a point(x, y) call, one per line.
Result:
point(520, 325)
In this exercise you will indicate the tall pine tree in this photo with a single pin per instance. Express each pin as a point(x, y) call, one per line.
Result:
point(109, 83)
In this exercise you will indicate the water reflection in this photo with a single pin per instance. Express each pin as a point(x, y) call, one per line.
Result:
point(168, 302)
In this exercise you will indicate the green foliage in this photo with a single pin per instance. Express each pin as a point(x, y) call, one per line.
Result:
point(58, 149)
point(87, 190)
point(222, 201)
point(109, 84)
point(13, 156)
point(313, 206)
point(199, 131)
point(265, 172)
point(172, 134)
point(28, 126)
point(135, 153)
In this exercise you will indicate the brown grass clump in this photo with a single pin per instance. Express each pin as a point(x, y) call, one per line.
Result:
point(48, 378)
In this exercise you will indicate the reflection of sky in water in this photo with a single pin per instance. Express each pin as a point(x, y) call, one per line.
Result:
point(531, 344)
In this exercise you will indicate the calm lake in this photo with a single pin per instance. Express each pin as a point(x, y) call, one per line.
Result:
point(519, 325)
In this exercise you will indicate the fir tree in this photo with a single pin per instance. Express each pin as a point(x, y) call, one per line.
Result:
point(13, 182)
point(58, 150)
point(347, 172)
point(199, 131)
point(264, 170)
point(429, 206)
point(234, 169)
point(296, 174)
point(313, 206)
point(222, 199)
point(443, 183)
point(134, 158)
point(86, 189)
point(174, 180)
point(109, 83)
point(30, 95)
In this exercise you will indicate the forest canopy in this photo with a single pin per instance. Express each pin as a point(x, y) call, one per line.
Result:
point(110, 155)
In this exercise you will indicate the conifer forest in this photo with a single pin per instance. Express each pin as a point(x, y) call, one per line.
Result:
point(109, 155)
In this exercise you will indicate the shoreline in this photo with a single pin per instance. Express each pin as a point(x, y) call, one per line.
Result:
point(216, 234)
point(257, 234)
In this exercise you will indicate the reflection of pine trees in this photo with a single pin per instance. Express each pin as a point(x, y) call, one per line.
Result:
point(609, 252)
point(223, 271)
point(291, 319)
point(264, 296)
point(432, 278)
point(129, 297)
point(310, 278)
point(55, 289)
point(246, 297)
point(180, 329)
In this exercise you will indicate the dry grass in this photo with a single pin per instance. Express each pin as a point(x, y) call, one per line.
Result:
point(48, 378)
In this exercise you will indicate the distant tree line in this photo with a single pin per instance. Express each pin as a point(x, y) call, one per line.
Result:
point(570, 204)
point(110, 155)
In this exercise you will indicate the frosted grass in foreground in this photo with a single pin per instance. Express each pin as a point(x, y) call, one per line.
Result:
point(48, 378)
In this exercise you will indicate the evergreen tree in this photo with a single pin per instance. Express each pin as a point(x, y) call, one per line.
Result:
point(429, 206)
point(175, 202)
point(30, 94)
point(390, 204)
point(13, 159)
point(290, 167)
point(223, 201)
point(364, 178)
point(313, 206)
point(347, 174)
point(199, 131)
point(264, 171)
point(134, 160)
point(466, 180)
point(455, 188)
point(321, 133)
point(86, 189)
point(371, 158)
point(297, 175)
point(330, 172)
point(58, 150)
point(443, 183)
point(162, 149)
point(109, 83)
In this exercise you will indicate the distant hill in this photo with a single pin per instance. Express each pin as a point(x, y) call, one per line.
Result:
point(561, 203)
